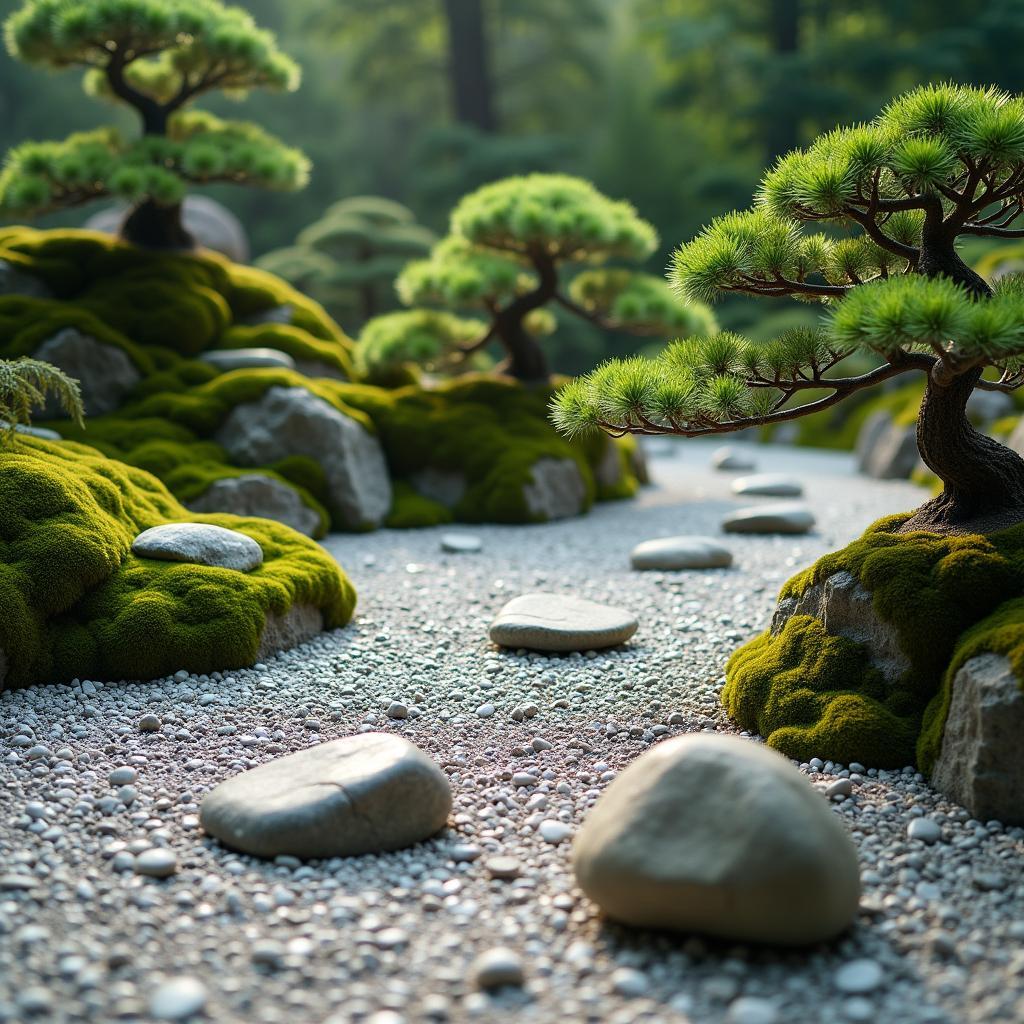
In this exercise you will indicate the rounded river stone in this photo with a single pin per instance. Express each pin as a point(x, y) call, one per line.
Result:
point(557, 622)
point(671, 553)
point(201, 544)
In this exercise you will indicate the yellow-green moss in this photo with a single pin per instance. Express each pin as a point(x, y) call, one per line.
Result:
point(74, 601)
point(947, 597)
point(410, 510)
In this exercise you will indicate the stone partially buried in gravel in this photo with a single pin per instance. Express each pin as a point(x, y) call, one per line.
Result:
point(670, 553)
point(721, 836)
point(771, 485)
point(557, 622)
point(201, 544)
point(361, 794)
point(729, 458)
point(461, 543)
point(778, 517)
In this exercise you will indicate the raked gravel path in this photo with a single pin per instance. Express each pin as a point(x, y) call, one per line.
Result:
point(87, 933)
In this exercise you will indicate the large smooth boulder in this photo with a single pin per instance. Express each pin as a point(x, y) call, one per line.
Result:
point(721, 836)
point(730, 459)
point(984, 407)
point(256, 494)
point(885, 450)
point(558, 622)
point(556, 490)
point(845, 608)
point(200, 544)
point(293, 421)
point(15, 281)
point(104, 373)
point(771, 485)
point(361, 794)
point(227, 359)
point(981, 760)
point(210, 223)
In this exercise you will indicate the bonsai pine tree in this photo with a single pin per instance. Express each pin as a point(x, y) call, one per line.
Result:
point(504, 258)
point(158, 57)
point(937, 164)
point(26, 383)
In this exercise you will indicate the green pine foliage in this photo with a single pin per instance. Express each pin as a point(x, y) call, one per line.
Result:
point(24, 385)
point(158, 57)
point(947, 156)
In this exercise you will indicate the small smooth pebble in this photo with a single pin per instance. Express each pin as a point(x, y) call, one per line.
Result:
point(859, 977)
point(552, 831)
point(924, 829)
point(497, 968)
point(157, 862)
point(122, 776)
point(178, 999)
point(752, 1010)
point(461, 543)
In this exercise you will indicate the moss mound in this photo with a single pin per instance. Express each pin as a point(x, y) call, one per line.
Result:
point(948, 598)
point(74, 600)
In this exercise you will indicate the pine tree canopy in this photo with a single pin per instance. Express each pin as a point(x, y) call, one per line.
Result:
point(157, 56)
point(433, 339)
point(938, 163)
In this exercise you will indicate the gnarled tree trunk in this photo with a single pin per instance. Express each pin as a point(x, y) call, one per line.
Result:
point(982, 480)
point(152, 226)
point(526, 359)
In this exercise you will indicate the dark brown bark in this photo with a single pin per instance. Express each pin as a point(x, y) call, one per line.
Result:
point(526, 359)
point(152, 226)
point(469, 71)
point(982, 480)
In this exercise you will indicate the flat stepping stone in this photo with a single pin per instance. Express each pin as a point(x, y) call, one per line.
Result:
point(771, 485)
point(201, 544)
point(248, 359)
point(777, 517)
point(557, 622)
point(729, 458)
point(361, 794)
point(670, 553)
point(461, 543)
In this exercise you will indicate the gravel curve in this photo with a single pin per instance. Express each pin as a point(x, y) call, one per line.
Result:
point(91, 931)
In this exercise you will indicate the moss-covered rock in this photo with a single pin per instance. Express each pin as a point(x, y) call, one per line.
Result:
point(948, 598)
point(75, 601)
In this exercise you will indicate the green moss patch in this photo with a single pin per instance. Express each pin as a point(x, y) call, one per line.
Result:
point(948, 598)
point(74, 600)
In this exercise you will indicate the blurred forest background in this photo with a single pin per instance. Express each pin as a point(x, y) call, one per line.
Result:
point(676, 105)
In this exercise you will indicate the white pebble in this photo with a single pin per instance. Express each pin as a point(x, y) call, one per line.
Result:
point(178, 999)
point(858, 977)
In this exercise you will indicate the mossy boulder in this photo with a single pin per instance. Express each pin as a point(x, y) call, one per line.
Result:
point(813, 692)
point(75, 601)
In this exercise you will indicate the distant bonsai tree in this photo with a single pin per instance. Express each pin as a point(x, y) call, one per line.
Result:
point(503, 257)
point(25, 384)
point(938, 163)
point(348, 259)
point(156, 56)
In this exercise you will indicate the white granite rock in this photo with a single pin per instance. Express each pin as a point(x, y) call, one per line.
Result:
point(777, 517)
point(722, 836)
point(361, 794)
point(557, 622)
point(201, 544)
point(671, 553)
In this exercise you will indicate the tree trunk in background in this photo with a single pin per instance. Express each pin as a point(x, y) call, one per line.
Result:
point(781, 132)
point(469, 64)
point(152, 226)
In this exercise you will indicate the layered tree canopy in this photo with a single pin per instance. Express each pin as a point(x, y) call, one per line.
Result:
point(938, 163)
point(158, 57)
point(506, 257)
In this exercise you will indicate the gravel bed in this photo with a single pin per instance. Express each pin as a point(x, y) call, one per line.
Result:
point(92, 928)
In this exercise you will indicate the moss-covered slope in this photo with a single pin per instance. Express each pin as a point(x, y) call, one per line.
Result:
point(948, 598)
point(74, 600)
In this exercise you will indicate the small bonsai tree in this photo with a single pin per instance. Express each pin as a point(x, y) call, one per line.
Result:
point(24, 385)
point(156, 56)
point(508, 244)
point(939, 163)
point(348, 260)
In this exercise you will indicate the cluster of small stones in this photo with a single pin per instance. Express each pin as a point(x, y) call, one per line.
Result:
point(115, 905)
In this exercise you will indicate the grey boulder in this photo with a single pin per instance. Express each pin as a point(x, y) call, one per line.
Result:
point(887, 450)
point(15, 281)
point(728, 459)
point(104, 373)
point(555, 490)
point(845, 608)
point(227, 359)
point(671, 553)
point(258, 495)
point(293, 421)
point(362, 794)
point(777, 517)
point(556, 622)
point(981, 760)
point(721, 836)
point(200, 544)
point(772, 485)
